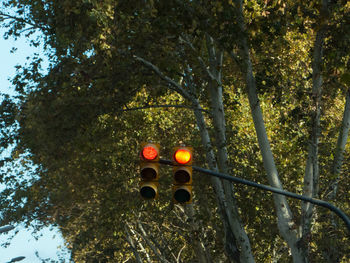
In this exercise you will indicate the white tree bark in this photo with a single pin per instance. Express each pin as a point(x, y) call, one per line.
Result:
point(332, 254)
point(285, 221)
point(132, 245)
point(228, 224)
point(286, 224)
point(218, 113)
point(310, 187)
point(148, 258)
point(149, 243)
point(340, 148)
point(202, 253)
point(312, 174)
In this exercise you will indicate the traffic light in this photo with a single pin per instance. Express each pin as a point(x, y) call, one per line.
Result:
point(149, 167)
point(182, 170)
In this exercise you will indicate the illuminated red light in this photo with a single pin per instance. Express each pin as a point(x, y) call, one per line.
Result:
point(149, 153)
point(182, 156)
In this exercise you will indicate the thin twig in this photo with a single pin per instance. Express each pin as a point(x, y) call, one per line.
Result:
point(155, 250)
point(200, 59)
point(172, 84)
point(163, 106)
point(235, 58)
point(179, 254)
point(19, 19)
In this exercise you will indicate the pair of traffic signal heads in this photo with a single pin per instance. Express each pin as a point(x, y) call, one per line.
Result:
point(182, 172)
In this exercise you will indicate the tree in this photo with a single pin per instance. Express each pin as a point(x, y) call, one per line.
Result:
point(119, 68)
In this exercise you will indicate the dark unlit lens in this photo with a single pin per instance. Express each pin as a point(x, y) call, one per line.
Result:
point(148, 192)
point(182, 196)
point(148, 174)
point(181, 176)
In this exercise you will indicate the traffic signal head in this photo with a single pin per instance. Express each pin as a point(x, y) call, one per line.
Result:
point(182, 170)
point(149, 167)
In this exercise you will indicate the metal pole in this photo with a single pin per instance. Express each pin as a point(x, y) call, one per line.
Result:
point(322, 203)
point(6, 228)
point(16, 259)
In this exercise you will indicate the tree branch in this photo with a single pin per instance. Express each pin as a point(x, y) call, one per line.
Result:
point(312, 171)
point(179, 254)
point(4, 17)
point(286, 224)
point(164, 106)
point(235, 58)
point(132, 246)
point(149, 243)
point(200, 59)
point(340, 148)
point(141, 246)
point(173, 85)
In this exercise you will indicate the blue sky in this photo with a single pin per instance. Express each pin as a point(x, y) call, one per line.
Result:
point(24, 244)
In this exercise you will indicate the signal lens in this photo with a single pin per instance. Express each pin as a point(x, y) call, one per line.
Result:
point(148, 192)
point(182, 196)
point(149, 153)
point(148, 173)
point(182, 176)
point(182, 156)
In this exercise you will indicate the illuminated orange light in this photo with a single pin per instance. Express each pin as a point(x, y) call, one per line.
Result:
point(149, 153)
point(182, 156)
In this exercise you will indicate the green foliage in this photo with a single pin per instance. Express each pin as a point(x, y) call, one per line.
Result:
point(78, 128)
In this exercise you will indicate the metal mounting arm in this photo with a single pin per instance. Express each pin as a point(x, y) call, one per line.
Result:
point(318, 202)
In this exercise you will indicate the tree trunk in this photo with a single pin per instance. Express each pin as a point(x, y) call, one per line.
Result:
point(285, 221)
point(231, 248)
point(202, 253)
point(340, 148)
point(312, 174)
point(218, 113)
point(331, 254)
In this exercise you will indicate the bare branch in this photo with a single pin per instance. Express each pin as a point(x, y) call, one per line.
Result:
point(164, 106)
point(140, 244)
point(179, 254)
point(174, 85)
point(235, 57)
point(331, 191)
point(185, 40)
point(150, 244)
point(132, 246)
point(4, 17)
